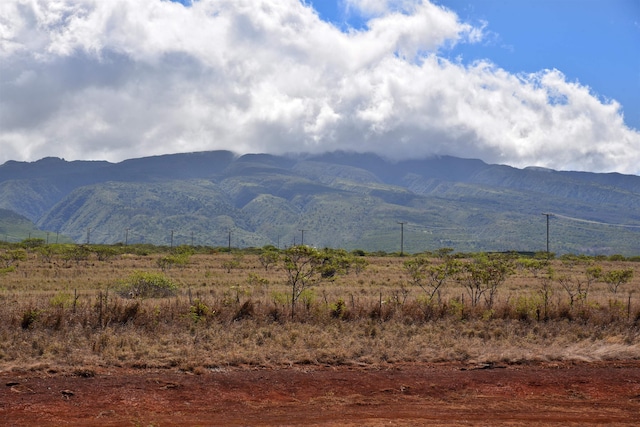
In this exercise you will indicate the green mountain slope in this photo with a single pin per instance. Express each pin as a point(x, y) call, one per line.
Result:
point(16, 228)
point(335, 199)
point(146, 213)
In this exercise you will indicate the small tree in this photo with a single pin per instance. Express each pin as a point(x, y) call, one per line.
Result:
point(430, 277)
point(578, 283)
point(235, 262)
point(32, 243)
point(615, 278)
point(75, 253)
point(336, 261)
point(359, 264)
point(546, 291)
point(10, 257)
point(533, 265)
point(444, 253)
point(306, 266)
point(46, 252)
point(268, 257)
point(104, 252)
point(482, 277)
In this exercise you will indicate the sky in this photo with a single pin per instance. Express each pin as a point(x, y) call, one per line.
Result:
point(549, 83)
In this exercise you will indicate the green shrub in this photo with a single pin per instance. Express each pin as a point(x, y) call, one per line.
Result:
point(62, 300)
point(338, 309)
point(199, 311)
point(177, 259)
point(7, 270)
point(142, 284)
point(32, 243)
point(11, 257)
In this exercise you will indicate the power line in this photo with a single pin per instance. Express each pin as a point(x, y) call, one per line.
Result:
point(433, 227)
point(588, 221)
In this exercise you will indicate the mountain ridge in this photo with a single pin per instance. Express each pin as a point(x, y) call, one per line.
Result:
point(340, 199)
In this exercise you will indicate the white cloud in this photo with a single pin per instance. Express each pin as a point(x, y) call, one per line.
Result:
point(127, 78)
point(371, 8)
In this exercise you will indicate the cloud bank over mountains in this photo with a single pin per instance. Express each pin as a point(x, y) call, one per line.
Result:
point(95, 79)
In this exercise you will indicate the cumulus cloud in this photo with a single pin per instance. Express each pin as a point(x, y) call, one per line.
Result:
point(94, 79)
point(370, 8)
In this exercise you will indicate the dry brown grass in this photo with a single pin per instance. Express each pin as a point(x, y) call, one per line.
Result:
point(68, 315)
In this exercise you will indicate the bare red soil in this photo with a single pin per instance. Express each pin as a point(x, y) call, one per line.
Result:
point(560, 394)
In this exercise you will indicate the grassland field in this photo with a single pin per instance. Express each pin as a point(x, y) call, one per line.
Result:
point(229, 310)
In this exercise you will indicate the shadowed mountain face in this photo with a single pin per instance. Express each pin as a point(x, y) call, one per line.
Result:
point(339, 199)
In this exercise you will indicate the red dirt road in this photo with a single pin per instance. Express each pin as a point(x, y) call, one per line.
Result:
point(560, 394)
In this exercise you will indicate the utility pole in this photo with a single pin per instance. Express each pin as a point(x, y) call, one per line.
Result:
point(401, 237)
point(229, 241)
point(192, 239)
point(47, 237)
point(547, 215)
point(302, 241)
point(171, 239)
point(88, 235)
point(126, 237)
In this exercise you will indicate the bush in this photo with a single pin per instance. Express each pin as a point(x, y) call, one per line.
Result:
point(177, 259)
point(11, 257)
point(199, 310)
point(141, 284)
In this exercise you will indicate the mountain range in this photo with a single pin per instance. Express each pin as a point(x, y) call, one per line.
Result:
point(339, 199)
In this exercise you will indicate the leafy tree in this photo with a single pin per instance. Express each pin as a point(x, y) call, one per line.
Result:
point(104, 252)
point(75, 253)
point(546, 291)
point(268, 257)
point(359, 264)
point(533, 265)
point(336, 261)
point(32, 242)
point(12, 256)
point(578, 281)
point(235, 262)
point(430, 277)
point(306, 266)
point(483, 276)
point(254, 281)
point(615, 278)
point(444, 253)
point(46, 252)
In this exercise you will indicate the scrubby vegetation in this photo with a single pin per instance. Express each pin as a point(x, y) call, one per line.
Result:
point(191, 307)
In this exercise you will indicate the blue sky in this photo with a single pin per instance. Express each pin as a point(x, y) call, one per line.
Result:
point(595, 42)
point(549, 83)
